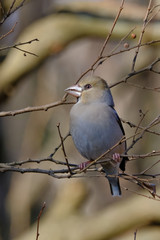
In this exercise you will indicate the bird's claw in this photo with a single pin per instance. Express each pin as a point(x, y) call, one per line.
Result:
point(83, 165)
point(116, 157)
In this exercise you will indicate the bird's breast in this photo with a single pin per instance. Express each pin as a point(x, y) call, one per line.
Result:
point(94, 129)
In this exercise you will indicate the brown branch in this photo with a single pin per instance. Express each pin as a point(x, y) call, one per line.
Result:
point(127, 50)
point(131, 74)
point(150, 167)
point(9, 32)
point(132, 125)
point(104, 44)
point(38, 220)
point(155, 89)
point(143, 156)
point(11, 10)
point(56, 149)
point(63, 149)
point(21, 44)
point(64, 173)
point(26, 52)
point(142, 118)
point(111, 31)
point(63, 101)
point(101, 59)
point(141, 35)
point(34, 109)
point(150, 125)
point(48, 159)
point(135, 235)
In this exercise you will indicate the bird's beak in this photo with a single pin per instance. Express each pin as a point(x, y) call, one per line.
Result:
point(75, 90)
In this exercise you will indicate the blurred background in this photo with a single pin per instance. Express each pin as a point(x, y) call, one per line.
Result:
point(70, 34)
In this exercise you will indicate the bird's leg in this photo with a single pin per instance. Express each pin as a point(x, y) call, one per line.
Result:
point(84, 165)
point(116, 157)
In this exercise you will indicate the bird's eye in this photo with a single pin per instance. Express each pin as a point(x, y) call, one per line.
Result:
point(87, 86)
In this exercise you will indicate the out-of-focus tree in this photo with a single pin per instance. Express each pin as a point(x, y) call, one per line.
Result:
point(45, 47)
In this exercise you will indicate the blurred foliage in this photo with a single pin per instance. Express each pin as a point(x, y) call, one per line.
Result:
point(70, 38)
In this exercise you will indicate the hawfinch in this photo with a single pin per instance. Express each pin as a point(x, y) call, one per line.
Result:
point(95, 127)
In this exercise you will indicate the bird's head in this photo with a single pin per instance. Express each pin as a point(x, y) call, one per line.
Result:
point(91, 89)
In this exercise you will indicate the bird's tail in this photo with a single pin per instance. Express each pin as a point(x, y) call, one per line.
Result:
point(114, 186)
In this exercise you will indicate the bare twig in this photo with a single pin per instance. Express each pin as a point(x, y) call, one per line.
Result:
point(38, 220)
point(11, 10)
point(104, 44)
point(9, 32)
point(34, 109)
point(140, 194)
point(150, 167)
point(131, 74)
point(132, 125)
point(16, 46)
point(48, 159)
point(111, 31)
point(56, 149)
point(26, 52)
point(143, 116)
point(141, 35)
point(150, 125)
point(63, 101)
point(155, 89)
point(72, 170)
point(135, 235)
point(63, 149)
point(104, 58)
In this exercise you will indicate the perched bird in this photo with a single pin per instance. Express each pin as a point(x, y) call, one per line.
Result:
point(95, 127)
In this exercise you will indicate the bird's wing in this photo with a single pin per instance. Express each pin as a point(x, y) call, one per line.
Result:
point(124, 159)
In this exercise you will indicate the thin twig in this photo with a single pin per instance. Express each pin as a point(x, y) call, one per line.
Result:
point(38, 220)
point(111, 31)
point(131, 74)
point(9, 32)
point(150, 167)
point(103, 46)
point(48, 159)
point(34, 109)
point(56, 149)
point(142, 118)
point(11, 10)
point(63, 149)
point(133, 125)
point(26, 52)
point(63, 101)
point(141, 35)
point(21, 44)
point(155, 89)
point(150, 125)
point(114, 49)
point(135, 234)
point(140, 194)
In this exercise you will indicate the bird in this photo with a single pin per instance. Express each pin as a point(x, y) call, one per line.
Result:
point(95, 128)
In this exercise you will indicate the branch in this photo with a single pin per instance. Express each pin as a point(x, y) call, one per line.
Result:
point(63, 149)
point(16, 46)
point(63, 100)
point(34, 109)
point(131, 74)
point(145, 22)
point(9, 32)
point(111, 31)
point(93, 25)
point(11, 10)
point(38, 220)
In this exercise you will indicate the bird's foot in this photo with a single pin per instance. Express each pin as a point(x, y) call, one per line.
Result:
point(84, 165)
point(116, 157)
